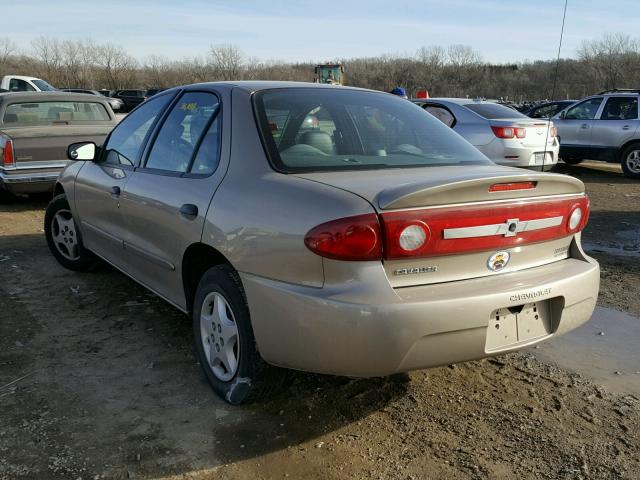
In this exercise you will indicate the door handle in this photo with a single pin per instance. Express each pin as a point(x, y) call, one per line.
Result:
point(626, 127)
point(189, 210)
point(115, 191)
point(584, 125)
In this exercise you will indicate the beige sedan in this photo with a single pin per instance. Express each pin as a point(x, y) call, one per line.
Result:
point(370, 241)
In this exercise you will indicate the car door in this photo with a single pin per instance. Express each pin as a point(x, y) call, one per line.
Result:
point(575, 127)
point(99, 184)
point(165, 201)
point(616, 124)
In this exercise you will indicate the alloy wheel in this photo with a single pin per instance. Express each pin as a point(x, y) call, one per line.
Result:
point(219, 335)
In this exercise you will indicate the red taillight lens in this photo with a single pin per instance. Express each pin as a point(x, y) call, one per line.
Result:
point(351, 238)
point(507, 187)
point(553, 131)
point(8, 159)
point(509, 132)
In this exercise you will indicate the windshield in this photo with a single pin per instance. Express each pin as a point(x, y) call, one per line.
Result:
point(39, 112)
point(309, 129)
point(493, 111)
point(42, 85)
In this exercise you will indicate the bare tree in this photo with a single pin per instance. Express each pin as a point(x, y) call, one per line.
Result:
point(117, 66)
point(7, 49)
point(49, 53)
point(226, 61)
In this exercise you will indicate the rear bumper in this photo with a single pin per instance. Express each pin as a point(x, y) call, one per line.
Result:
point(17, 181)
point(363, 329)
point(511, 153)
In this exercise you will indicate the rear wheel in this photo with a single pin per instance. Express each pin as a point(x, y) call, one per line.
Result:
point(224, 341)
point(64, 238)
point(572, 161)
point(630, 160)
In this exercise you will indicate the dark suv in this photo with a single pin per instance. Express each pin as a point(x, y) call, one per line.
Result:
point(131, 98)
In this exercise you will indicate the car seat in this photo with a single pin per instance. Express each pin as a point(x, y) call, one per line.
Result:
point(320, 140)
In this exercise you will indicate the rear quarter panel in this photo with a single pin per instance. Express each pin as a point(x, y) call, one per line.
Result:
point(258, 218)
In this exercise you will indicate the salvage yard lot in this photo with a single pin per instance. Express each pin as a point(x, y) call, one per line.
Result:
point(98, 380)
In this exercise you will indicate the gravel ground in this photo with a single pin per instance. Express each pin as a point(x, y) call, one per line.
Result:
point(97, 380)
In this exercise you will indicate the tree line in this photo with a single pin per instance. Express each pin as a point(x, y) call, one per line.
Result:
point(612, 61)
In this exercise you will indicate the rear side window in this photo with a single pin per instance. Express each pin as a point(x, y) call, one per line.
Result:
point(620, 108)
point(493, 111)
point(35, 112)
point(19, 85)
point(181, 134)
point(442, 114)
point(313, 129)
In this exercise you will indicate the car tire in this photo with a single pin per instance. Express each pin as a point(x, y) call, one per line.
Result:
point(630, 161)
point(572, 161)
point(64, 238)
point(224, 342)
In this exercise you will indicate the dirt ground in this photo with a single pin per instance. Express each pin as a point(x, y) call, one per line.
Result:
point(98, 380)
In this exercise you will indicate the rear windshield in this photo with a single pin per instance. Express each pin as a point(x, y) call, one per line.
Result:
point(493, 111)
point(38, 112)
point(313, 129)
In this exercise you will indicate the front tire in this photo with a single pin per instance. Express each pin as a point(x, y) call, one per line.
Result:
point(224, 342)
point(64, 238)
point(630, 161)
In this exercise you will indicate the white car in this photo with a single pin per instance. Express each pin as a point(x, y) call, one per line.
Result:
point(504, 135)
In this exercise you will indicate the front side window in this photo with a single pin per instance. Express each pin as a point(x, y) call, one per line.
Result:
point(46, 112)
point(585, 110)
point(620, 108)
point(128, 137)
point(308, 129)
point(180, 134)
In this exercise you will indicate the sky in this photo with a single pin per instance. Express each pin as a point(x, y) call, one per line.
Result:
point(502, 31)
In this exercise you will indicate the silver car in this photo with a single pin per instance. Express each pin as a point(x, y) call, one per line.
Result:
point(503, 134)
point(369, 241)
point(603, 127)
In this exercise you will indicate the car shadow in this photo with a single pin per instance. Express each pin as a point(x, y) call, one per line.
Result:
point(596, 172)
point(112, 367)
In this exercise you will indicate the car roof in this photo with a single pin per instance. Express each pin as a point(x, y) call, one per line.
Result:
point(14, 97)
point(23, 77)
point(257, 85)
point(457, 101)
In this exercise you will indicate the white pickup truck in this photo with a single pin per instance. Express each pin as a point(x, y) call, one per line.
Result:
point(20, 83)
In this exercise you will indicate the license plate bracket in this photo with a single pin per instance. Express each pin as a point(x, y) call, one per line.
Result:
point(509, 326)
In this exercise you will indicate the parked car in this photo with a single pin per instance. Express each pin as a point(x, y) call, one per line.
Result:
point(152, 91)
point(547, 109)
point(35, 130)
point(116, 103)
point(504, 135)
point(130, 98)
point(378, 242)
point(602, 127)
point(21, 83)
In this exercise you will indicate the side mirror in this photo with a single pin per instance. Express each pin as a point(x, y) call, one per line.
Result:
point(563, 114)
point(82, 151)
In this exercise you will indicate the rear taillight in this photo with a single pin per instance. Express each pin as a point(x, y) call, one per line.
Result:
point(439, 231)
point(553, 131)
point(8, 159)
point(509, 132)
point(350, 238)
